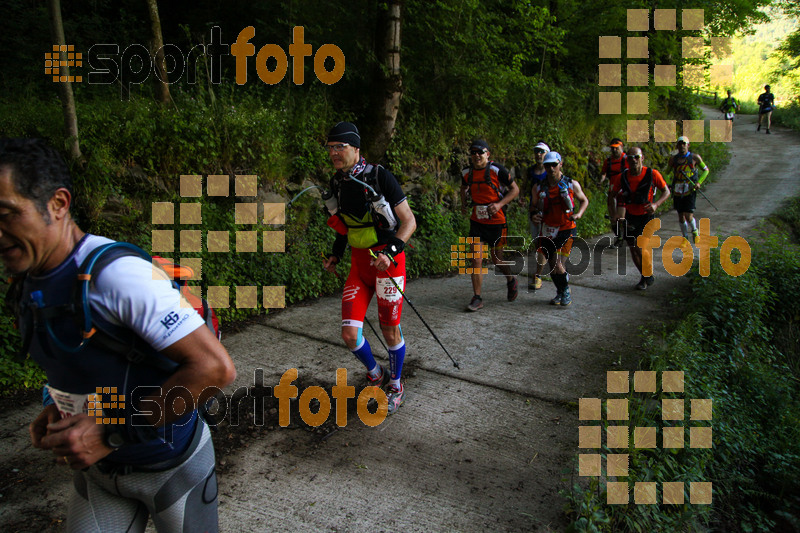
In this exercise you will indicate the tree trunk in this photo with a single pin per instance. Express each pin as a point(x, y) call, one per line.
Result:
point(157, 53)
point(65, 85)
point(389, 78)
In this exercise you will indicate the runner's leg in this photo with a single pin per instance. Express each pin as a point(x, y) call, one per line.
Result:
point(95, 506)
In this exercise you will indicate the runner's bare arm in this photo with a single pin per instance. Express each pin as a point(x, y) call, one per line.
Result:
point(579, 195)
point(513, 191)
point(653, 207)
point(408, 223)
point(203, 362)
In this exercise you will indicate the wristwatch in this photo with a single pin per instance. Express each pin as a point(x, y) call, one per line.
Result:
point(393, 247)
point(113, 437)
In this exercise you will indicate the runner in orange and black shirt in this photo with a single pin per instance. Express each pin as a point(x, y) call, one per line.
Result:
point(489, 188)
point(557, 222)
point(612, 170)
point(637, 188)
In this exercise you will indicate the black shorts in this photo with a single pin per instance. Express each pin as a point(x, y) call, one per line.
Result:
point(492, 234)
point(562, 243)
point(634, 226)
point(685, 204)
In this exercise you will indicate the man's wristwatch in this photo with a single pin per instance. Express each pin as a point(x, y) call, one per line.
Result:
point(394, 247)
point(113, 437)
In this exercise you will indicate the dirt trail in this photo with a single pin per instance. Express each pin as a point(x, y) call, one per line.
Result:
point(480, 448)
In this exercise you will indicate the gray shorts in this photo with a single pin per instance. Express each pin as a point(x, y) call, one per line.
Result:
point(183, 498)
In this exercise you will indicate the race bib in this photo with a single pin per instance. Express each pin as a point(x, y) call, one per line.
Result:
point(549, 231)
point(387, 290)
point(482, 212)
point(68, 404)
point(682, 187)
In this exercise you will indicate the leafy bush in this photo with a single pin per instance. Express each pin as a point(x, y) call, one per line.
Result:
point(727, 350)
point(14, 373)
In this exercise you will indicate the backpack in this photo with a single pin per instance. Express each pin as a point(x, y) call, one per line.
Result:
point(107, 336)
point(179, 275)
point(487, 179)
point(644, 191)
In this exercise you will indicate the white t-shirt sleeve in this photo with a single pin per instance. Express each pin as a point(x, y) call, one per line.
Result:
point(127, 294)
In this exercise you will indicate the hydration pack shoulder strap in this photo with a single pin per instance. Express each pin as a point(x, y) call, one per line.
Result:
point(487, 178)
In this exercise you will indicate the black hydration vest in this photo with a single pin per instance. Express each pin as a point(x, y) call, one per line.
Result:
point(644, 191)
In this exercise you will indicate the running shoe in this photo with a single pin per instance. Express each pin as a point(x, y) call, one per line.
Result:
point(557, 299)
point(642, 285)
point(696, 236)
point(379, 381)
point(619, 243)
point(768, 133)
point(395, 397)
point(536, 284)
point(475, 304)
point(512, 289)
point(566, 298)
point(758, 128)
point(650, 280)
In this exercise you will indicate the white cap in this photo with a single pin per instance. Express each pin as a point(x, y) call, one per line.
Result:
point(543, 146)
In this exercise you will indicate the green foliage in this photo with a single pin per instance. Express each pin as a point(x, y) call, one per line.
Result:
point(790, 214)
point(768, 55)
point(727, 348)
point(437, 230)
point(14, 373)
point(788, 115)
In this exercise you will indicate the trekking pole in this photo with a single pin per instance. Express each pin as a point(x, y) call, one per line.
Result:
point(697, 188)
point(376, 333)
point(403, 294)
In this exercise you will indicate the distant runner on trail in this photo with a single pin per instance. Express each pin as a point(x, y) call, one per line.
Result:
point(688, 174)
point(766, 103)
point(557, 220)
point(729, 106)
point(487, 186)
point(536, 175)
point(636, 189)
point(373, 216)
point(612, 170)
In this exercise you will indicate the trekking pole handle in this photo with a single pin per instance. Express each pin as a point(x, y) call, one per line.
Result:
point(391, 259)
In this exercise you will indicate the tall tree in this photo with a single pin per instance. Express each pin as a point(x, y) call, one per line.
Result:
point(389, 86)
point(157, 52)
point(64, 85)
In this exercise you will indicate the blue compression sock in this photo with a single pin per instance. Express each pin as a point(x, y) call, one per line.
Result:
point(364, 354)
point(396, 356)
